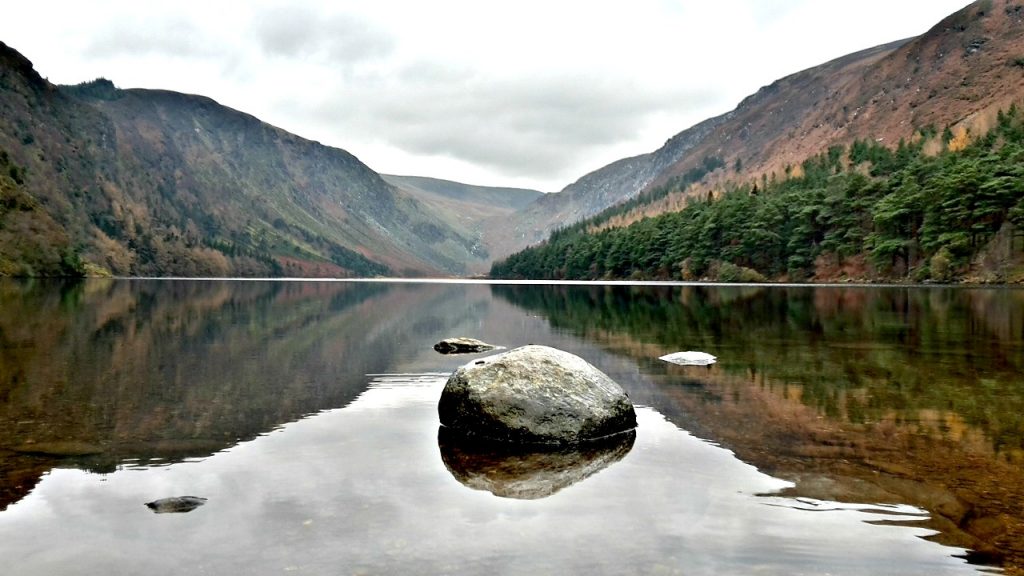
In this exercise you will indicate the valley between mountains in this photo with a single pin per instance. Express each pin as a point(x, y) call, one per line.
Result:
point(100, 180)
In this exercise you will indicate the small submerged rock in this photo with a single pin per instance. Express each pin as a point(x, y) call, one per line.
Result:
point(535, 394)
point(176, 504)
point(690, 358)
point(462, 346)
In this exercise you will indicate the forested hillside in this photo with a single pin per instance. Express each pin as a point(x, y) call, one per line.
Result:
point(866, 212)
point(32, 243)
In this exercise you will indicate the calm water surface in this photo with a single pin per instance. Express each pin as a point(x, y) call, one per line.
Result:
point(844, 431)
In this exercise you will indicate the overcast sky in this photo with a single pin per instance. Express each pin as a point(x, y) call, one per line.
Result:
point(516, 93)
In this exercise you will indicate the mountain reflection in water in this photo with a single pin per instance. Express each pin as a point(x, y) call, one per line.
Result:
point(858, 394)
point(306, 413)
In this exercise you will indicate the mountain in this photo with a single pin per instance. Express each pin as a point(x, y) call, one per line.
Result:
point(98, 180)
point(592, 193)
point(466, 208)
point(487, 197)
point(904, 162)
point(957, 76)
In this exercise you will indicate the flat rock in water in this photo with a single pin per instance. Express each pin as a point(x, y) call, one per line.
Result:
point(176, 504)
point(535, 394)
point(462, 346)
point(690, 358)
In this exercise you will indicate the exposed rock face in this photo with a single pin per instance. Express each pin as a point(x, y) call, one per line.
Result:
point(527, 472)
point(462, 346)
point(535, 394)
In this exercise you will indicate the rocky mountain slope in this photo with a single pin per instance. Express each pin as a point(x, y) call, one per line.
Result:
point(149, 182)
point(956, 76)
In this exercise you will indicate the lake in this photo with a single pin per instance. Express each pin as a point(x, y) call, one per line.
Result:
point(844, 430)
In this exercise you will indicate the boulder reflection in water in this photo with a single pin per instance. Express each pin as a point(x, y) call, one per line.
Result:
point(527, 472)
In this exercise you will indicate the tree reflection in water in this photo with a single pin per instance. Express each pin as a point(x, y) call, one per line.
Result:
point(857, 394)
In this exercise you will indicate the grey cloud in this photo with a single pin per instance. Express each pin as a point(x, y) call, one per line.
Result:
point(429, 74)
point(770, 12)
point(143, 37)
point(539, 127)
point(341, 39)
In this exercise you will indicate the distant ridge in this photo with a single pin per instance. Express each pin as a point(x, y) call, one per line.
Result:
point(497, 196)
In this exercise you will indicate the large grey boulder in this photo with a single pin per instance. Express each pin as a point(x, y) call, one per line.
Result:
point(535, 394)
